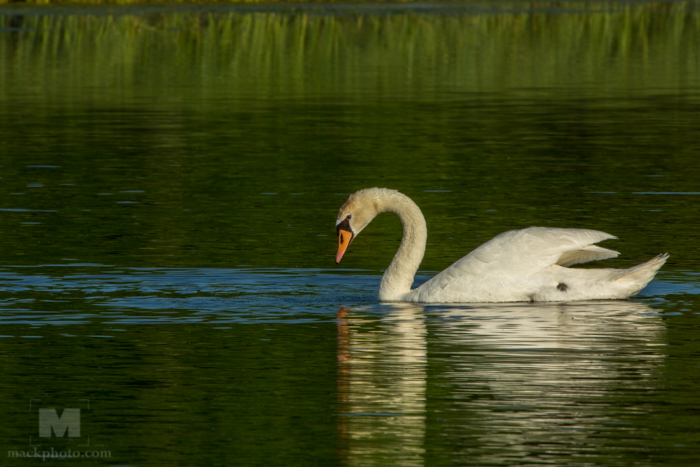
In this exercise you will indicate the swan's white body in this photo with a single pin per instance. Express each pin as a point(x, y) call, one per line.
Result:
point(519, 265)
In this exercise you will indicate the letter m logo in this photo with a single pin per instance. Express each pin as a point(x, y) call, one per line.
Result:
point(70, 420)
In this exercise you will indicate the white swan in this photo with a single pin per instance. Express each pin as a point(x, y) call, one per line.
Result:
point(519, 265)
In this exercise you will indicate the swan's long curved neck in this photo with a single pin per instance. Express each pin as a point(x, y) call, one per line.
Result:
point(398, 277)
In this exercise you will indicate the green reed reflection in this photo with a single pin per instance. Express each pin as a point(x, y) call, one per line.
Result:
point(262, 55)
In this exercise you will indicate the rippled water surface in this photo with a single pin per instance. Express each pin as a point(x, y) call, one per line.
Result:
point(170, 178)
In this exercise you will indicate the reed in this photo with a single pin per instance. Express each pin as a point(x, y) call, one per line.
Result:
point(261, 55)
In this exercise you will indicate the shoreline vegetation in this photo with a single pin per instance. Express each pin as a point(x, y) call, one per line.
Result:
point(634, 48)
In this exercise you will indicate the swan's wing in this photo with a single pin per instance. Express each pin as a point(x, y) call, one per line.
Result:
point(530, 250)
point(585, 254)
point(508, 267)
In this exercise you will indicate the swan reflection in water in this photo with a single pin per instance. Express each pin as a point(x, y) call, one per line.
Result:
point(497, 379)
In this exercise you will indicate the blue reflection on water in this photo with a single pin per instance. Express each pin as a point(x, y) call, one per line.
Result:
point(48, 295)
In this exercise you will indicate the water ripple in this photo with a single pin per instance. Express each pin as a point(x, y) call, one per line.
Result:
point(80, 293)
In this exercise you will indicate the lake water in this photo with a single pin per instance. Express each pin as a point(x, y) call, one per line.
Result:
point(170, 179)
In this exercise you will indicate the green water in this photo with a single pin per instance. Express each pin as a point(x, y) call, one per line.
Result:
point(170, 178)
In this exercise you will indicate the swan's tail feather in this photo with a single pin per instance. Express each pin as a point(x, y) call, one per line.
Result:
point(643, 273)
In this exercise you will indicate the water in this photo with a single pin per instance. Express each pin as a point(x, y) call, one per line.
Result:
point(170, 181)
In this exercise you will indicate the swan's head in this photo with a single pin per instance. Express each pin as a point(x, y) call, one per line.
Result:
point(357, 212)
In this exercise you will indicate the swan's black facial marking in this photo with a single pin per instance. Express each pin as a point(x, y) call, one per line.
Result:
point(345, 225)
point(563, 287)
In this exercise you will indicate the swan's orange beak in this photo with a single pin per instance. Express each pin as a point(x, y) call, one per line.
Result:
point(344, 239)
